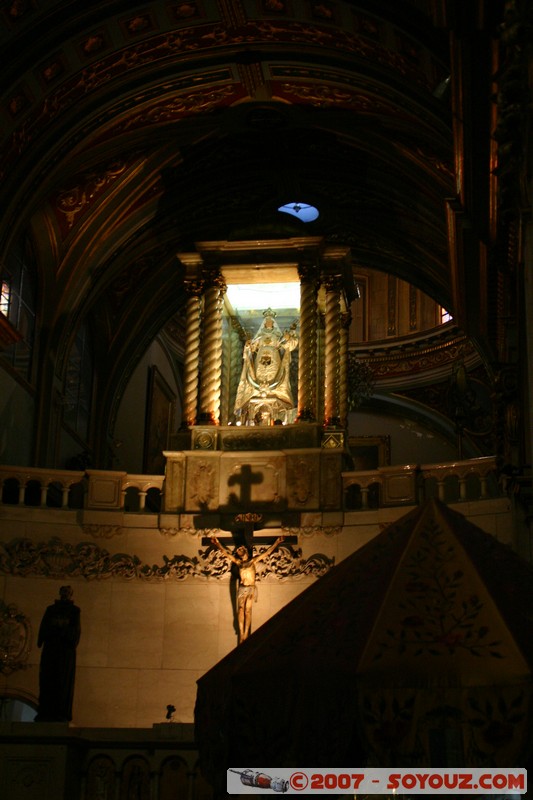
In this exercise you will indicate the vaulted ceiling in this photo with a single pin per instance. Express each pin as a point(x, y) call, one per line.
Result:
point(132, 130)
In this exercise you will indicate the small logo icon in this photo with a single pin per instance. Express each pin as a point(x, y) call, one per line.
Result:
point(261, 781)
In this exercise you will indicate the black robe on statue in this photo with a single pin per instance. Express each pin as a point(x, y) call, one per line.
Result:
point(59, 635)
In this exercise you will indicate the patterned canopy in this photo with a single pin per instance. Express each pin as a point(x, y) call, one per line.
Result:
point(417, 650)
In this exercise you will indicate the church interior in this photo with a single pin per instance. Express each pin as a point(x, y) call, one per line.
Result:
point(265, 390)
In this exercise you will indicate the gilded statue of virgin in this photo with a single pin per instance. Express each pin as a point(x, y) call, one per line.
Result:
point(264, 395)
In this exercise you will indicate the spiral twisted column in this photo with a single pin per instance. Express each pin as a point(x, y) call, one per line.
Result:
point(192, 353)
point(321, 347)
point(332, 352)
point(211, 376)
point(237, 338)
point(307, 364)
point(346, 318)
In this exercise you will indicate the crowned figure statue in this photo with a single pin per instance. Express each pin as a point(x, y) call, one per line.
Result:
point(264, 395)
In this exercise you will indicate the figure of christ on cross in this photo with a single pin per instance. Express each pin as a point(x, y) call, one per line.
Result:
point(247, 589)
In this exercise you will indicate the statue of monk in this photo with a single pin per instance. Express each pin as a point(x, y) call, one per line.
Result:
point(59, 634)
point(264, 394)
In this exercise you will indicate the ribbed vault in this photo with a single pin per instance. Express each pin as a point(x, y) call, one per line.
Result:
point(132, 130)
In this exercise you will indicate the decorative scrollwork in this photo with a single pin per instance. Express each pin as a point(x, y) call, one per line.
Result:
point(168, 531)
point(58, 559)
point(361, 381)
point(74, 201)
point(102, 531)
point(285, 562)
point(88, 560)
point(15, 639)
point(313, 530)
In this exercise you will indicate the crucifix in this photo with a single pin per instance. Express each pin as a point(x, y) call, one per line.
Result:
point(247, 590)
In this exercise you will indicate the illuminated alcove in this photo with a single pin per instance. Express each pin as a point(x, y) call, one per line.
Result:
point(250, 307)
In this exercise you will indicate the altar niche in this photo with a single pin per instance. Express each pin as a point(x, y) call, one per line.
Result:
point(276, 359)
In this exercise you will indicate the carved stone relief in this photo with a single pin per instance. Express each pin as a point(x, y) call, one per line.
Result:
point(314, 530)
point(284, 562)
point(15, 638)
point(201, 487)
point(302, 481)
point(101, 778)
point(88, 560)
point(27, 776)
point(102, 531)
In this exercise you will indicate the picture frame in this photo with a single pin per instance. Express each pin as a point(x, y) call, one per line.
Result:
point(160, 407)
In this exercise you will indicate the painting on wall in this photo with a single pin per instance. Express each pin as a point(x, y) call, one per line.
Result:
point(160, 406)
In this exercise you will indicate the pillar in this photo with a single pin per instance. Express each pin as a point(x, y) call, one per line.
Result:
point(192, 352)
point(346, 318)
point(307, 364)
point(332, 369)
point(236, 337)
point(211, 368)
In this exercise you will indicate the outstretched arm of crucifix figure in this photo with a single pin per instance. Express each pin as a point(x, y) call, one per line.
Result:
point(224, 550)
point(270, 550)
point(255, 559)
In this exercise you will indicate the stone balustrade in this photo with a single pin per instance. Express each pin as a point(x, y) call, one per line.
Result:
point(404, 484)
point(90, 489)
point(32, 486)
point(411, 484)
point(473, 473)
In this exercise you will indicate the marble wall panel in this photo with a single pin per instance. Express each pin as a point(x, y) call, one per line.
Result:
point(106, 697)
point(174, 482)
point(136, 625)
point(156, 689)
point(191, 625)
point(95, 602)
point(151, 546)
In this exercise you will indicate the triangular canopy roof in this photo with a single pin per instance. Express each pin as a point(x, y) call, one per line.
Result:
point(432, 607)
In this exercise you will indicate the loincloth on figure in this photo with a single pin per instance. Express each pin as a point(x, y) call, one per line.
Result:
point(246, 591)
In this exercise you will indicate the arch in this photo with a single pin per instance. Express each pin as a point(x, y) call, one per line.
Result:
point(131, 499)
point(32, 493)
point(174, 779)
point(16, 707)
point(101, 778)
point(363, 497)
point(135, 779)
point(10, 491)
